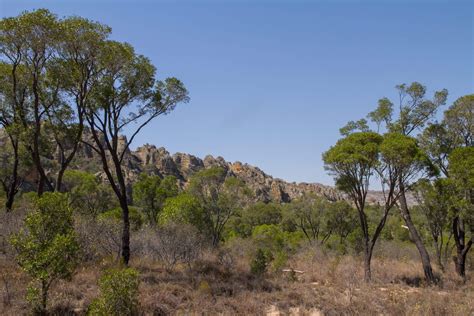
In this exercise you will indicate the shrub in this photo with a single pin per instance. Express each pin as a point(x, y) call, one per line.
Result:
point(259, 263)
point(136, 218)
point(171, 244)
point(118, 293)
point(47, 249)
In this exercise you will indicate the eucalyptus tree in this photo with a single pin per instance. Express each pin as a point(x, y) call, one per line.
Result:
point(12, 157)
point(74, 70)
point(353, 162)
point(53, 66)
point(433, 198)
point(27, 43)
point(126, 98)
point(461, 166)
point(415, 111)
point(220, 197)
point(444, 142)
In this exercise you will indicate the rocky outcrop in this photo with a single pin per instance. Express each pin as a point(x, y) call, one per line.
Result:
point(159, 161)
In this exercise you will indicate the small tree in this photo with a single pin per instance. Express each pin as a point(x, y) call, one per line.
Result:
point(308, 214)
point(220, 197)
point(150, 193)
point(118, 293)
point(353, 161)
point(47, 247)
point(461, 167)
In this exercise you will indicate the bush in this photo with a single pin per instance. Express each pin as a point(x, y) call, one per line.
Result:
point(118, 293)
point(259, 263)
point(171, 244)
point(47, 249)
point(136, 218)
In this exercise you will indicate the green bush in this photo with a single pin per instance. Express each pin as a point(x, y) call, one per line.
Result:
point(136, 218)
point(259, 263)
point(47, 247)
point(118, 293)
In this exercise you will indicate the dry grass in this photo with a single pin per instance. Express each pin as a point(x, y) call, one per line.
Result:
point(330, 285)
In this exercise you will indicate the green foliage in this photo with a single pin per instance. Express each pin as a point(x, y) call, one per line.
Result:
point(276, 243)
point(47, 247)
point(461, 169)
point(151, 192)
point(352, 126)
point(257, 214)
point(221, 198)
point(383, 113)
point(183, 209)
point(403, 154)
point(308, 214)
point(118, 294)
point(415, 109)
point(459, 119)
point(136, 218)
point(353, 159)
point(87, 194)
point(259, 263)
point(341, 219)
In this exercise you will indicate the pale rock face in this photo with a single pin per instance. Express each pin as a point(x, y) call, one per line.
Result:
point(264, 186)
point(150, 159)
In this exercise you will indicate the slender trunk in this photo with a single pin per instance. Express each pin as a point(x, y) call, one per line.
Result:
point(462, 248)
point(13, 185)
point(125, 231)
point(438, 248)
point(425, 257)
point(44, 297)
point(59, 180)
point(367, 261)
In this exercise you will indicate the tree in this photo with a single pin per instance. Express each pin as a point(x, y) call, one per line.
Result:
point(352, 162)
point(383, 113)
point(118, 293)
point(12, 96)
point(341, 219)
point(27, 44)
point(183, 209)
point(414, 112)
point(53, 66)
point(88, 196)
point(256, 214)
point(441, 141)
point(433, 200)
point(126, 98)
point(151, 192)
point(308, 214)
point(47, 248)
point(459, 119)
point(461, 166)
point(220, 197)
point(351, 126)
point(75, 71)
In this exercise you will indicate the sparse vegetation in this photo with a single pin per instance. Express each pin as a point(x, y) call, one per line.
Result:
point(202, 239)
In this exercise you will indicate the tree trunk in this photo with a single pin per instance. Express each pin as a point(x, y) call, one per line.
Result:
point(461, 247)
point(125, 232)
point(44, 298)
point(367, 261)
point(425, 257)
point(460, 264)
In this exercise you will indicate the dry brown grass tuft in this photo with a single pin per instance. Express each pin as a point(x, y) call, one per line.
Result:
point(330, 285)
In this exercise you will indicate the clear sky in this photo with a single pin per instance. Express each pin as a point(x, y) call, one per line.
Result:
point(271, 82)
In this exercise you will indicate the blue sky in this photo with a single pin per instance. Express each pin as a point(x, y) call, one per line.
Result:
point(271, 82)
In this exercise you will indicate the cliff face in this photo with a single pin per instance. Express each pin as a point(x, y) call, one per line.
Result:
point(158, 161)
point(151, 159)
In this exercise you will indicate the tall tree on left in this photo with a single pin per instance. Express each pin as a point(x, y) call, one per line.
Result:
point(126, 98)
point(53, 64)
